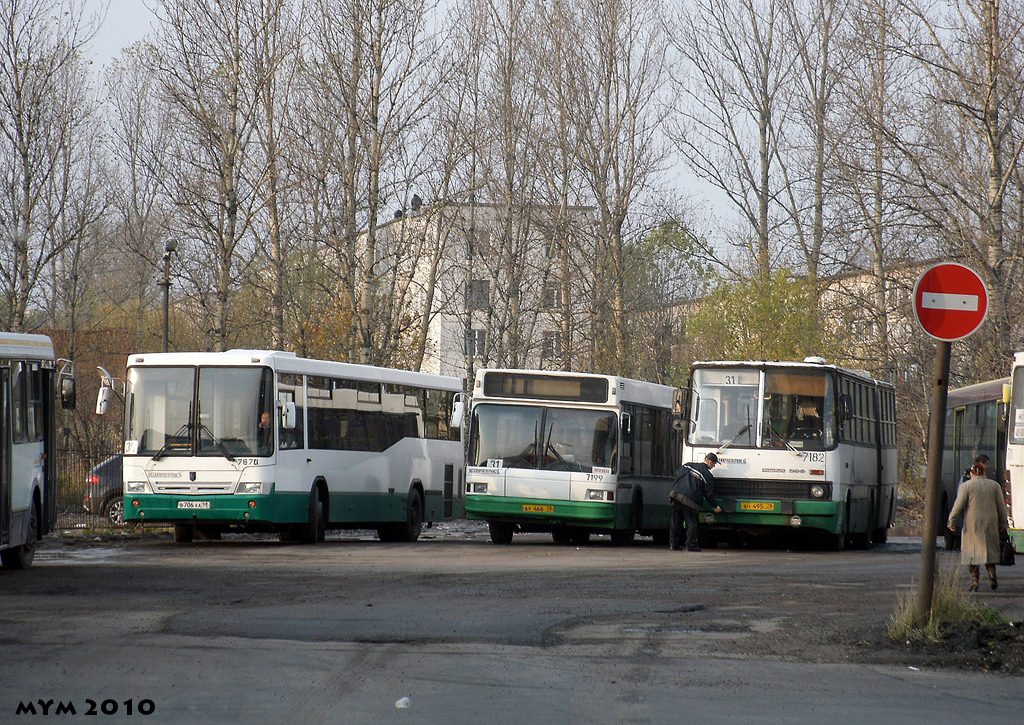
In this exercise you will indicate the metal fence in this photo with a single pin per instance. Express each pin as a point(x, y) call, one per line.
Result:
point(73, 469)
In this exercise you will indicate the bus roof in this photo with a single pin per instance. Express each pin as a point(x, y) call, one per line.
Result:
point(808, 364)
point(977, 393)
point(289, 362)
point(25, 346)
point(624, 389)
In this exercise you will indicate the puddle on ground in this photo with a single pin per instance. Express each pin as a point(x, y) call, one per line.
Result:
point(92, 555)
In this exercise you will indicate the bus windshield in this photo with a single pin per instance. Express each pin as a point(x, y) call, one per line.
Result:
point(550, 439)
point(233, 413)
point(796, 412)
point(724, 407)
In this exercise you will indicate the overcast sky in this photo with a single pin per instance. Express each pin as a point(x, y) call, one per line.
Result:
point(126, 21)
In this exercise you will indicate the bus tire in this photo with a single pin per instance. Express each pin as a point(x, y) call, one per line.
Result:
point(413, 525)
point(561, 535)
point(501, 532)
point(20, 557)
point(624, 537)
point(579, 537)
point(314, 531)
point(184, 533)
point(660, 537)
point(880, 536)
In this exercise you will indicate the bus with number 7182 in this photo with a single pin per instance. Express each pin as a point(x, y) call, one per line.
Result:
point(572, 454)
point(802, 445)
point(258, 440)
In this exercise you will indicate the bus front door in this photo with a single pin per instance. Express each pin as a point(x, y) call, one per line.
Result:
point(5, 458)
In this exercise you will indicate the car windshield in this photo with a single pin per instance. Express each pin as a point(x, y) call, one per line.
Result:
point(551, 439)
point(233, 412)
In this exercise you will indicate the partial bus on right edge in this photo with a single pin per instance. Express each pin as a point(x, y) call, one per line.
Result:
point(802, 445)
point(1014, 483)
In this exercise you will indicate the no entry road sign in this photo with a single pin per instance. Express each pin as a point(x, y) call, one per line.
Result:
point(950, 301)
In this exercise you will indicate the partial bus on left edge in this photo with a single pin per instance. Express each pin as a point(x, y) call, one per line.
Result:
point(30, 385)
point(257, 440)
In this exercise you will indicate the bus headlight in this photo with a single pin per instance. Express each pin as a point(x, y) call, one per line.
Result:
point(135, 487)
point(250, 488)
point(595, 495)
point(479, 488)
point(818, 491)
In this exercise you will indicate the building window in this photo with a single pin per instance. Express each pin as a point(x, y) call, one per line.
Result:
point(552, 296)
point(475, 341)
point(478, 294)
point(551, 345)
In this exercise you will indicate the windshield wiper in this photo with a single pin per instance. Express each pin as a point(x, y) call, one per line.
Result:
point(729, 442)
point(185, 428)
point(783, 440)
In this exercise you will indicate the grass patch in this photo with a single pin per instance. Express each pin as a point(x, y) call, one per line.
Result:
point(952, 607)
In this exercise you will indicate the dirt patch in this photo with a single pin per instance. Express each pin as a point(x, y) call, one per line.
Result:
point(966, 645)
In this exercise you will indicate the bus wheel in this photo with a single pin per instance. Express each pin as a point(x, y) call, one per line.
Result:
point(183, 533)
point(579, 537)
point(624, 537)
point(410, 530)
point(20, 557)
point(314, 531)
point(561, 535)
point(660, 537)
point(501, 532)
point(880, 536)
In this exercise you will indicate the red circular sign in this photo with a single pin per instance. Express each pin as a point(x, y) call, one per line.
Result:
point(950, 301)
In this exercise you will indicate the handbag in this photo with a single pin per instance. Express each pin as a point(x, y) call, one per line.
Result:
point(1006, 551)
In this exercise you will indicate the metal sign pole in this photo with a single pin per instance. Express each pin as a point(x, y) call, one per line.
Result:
point(936, 435)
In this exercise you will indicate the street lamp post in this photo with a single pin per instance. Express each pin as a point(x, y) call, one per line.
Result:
point(169, 248)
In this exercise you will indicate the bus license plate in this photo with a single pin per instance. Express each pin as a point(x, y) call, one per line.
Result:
point(757, 506)
point(193, 504)
point(533, 508)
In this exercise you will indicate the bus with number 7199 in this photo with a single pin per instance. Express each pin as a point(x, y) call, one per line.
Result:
point(257, 440)
point(572, 454)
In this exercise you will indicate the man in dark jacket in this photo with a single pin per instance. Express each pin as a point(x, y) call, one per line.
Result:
point(694, 483)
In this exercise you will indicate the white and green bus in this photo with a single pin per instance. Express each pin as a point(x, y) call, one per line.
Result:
point(572, 454)
point(803, 445)
point(29, 387)
point(255, 440)
point(1014, 473)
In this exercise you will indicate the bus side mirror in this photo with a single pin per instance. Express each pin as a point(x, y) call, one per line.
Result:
point(458, 412)
point(627, 427)
point(103, 399)
point(68, 398)
point(288, 415)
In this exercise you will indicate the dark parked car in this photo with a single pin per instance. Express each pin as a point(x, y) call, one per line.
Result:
point(104, 491)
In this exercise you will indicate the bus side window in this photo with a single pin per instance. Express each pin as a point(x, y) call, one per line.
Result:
point(628, 441)
point(19, 403)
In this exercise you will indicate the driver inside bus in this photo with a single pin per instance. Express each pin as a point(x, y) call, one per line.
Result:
point(807, 425)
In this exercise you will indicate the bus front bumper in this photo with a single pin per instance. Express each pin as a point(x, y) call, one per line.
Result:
point(542, 512)
point(789, 513)
point(223, 508)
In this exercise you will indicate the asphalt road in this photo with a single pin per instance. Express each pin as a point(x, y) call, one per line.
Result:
point(252, 630)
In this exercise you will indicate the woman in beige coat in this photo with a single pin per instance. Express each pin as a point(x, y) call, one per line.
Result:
point(980, 502)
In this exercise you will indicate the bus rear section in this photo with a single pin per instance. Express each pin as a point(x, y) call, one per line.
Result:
point(555, 452)
point(29, 388)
